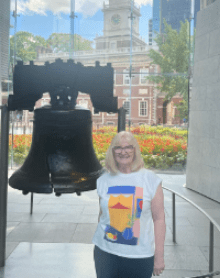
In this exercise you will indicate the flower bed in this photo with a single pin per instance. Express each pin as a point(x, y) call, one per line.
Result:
point(161, 148)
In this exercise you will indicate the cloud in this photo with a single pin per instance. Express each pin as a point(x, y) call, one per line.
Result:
point(41, 7)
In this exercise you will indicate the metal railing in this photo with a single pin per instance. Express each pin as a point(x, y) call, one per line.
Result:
point(211, 232)
point(3, 198)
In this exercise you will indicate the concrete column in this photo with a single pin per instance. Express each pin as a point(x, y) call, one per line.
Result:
point(203, 160)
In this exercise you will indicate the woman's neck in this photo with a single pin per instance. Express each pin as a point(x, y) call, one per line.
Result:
point(126, 169)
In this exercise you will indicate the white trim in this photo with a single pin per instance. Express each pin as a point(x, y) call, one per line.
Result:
point(128, 92)
point(84, 103)
point(143, 93)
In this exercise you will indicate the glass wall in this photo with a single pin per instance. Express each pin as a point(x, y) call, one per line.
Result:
point(151, 68)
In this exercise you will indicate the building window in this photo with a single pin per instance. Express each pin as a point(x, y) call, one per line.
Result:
point(126, 106)
point(126, 92)
point(143, 75)
point(113, 45)
point(143, 91)
point(143, 108)
point(126, 77)
point(110, 123)
point(93, 112)
point(110, 114)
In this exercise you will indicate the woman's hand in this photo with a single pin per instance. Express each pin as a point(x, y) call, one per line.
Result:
point(158, 266)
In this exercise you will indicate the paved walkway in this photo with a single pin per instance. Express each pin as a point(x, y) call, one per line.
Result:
point(56, 241)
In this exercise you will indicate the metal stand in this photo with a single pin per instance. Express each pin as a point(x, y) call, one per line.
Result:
point(32, 196)
point(3, 180)
point(121, 119)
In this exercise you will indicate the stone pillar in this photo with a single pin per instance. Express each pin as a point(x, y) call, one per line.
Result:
point(203, 161)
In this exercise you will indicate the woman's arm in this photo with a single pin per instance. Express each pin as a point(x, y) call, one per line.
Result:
point(157, 208)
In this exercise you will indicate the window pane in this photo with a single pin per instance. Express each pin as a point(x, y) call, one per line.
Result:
point(126, 105)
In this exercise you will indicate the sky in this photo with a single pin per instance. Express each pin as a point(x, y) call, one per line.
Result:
point(44, 17)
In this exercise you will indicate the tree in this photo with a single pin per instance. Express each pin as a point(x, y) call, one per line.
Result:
point(60, 42)
point(173, 59)
point(26, 45)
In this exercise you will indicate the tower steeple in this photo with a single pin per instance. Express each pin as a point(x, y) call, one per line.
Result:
point(117, 25)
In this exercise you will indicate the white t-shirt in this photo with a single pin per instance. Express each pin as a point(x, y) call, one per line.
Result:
point(123, 196)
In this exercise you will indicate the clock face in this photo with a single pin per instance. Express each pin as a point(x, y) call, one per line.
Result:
point(116, 19)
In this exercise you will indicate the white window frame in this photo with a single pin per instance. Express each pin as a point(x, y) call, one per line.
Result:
point(143, 75)
point(126, 77)
point(127, 112)
point(93, 112)
point(140, 108)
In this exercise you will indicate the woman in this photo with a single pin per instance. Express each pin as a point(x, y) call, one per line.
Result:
point(128, 244)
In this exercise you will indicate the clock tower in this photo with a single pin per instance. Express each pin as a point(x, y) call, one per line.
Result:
point(117, 25)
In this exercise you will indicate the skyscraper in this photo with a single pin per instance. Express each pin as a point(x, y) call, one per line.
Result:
point(173, 11)
point(150, 31)
point(196, 9)
point(156, 17)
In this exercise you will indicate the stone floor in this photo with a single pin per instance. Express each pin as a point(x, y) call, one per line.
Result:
point(56, 240)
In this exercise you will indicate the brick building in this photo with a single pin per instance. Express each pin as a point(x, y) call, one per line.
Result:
point(147, 104)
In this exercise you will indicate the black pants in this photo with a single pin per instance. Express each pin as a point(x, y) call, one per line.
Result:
point(112, 266)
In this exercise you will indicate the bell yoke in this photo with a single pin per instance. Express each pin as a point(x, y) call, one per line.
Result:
point(61, 158)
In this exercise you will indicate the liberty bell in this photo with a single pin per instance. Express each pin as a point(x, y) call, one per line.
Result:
point(61, 158)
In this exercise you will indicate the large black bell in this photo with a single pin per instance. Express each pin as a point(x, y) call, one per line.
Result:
point(61, 157)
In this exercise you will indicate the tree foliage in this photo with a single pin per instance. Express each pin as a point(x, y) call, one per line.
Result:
point(26, 44)
point(61, 42)
point(173, 59)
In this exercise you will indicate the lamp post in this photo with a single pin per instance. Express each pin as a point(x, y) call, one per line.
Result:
point(72, 18)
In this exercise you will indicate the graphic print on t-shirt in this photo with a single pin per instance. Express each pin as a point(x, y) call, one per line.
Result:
point(125, 207)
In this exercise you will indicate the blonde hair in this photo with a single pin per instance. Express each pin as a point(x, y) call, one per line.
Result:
point(111, 164)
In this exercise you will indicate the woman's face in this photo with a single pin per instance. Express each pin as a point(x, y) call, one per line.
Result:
point(124, 156)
